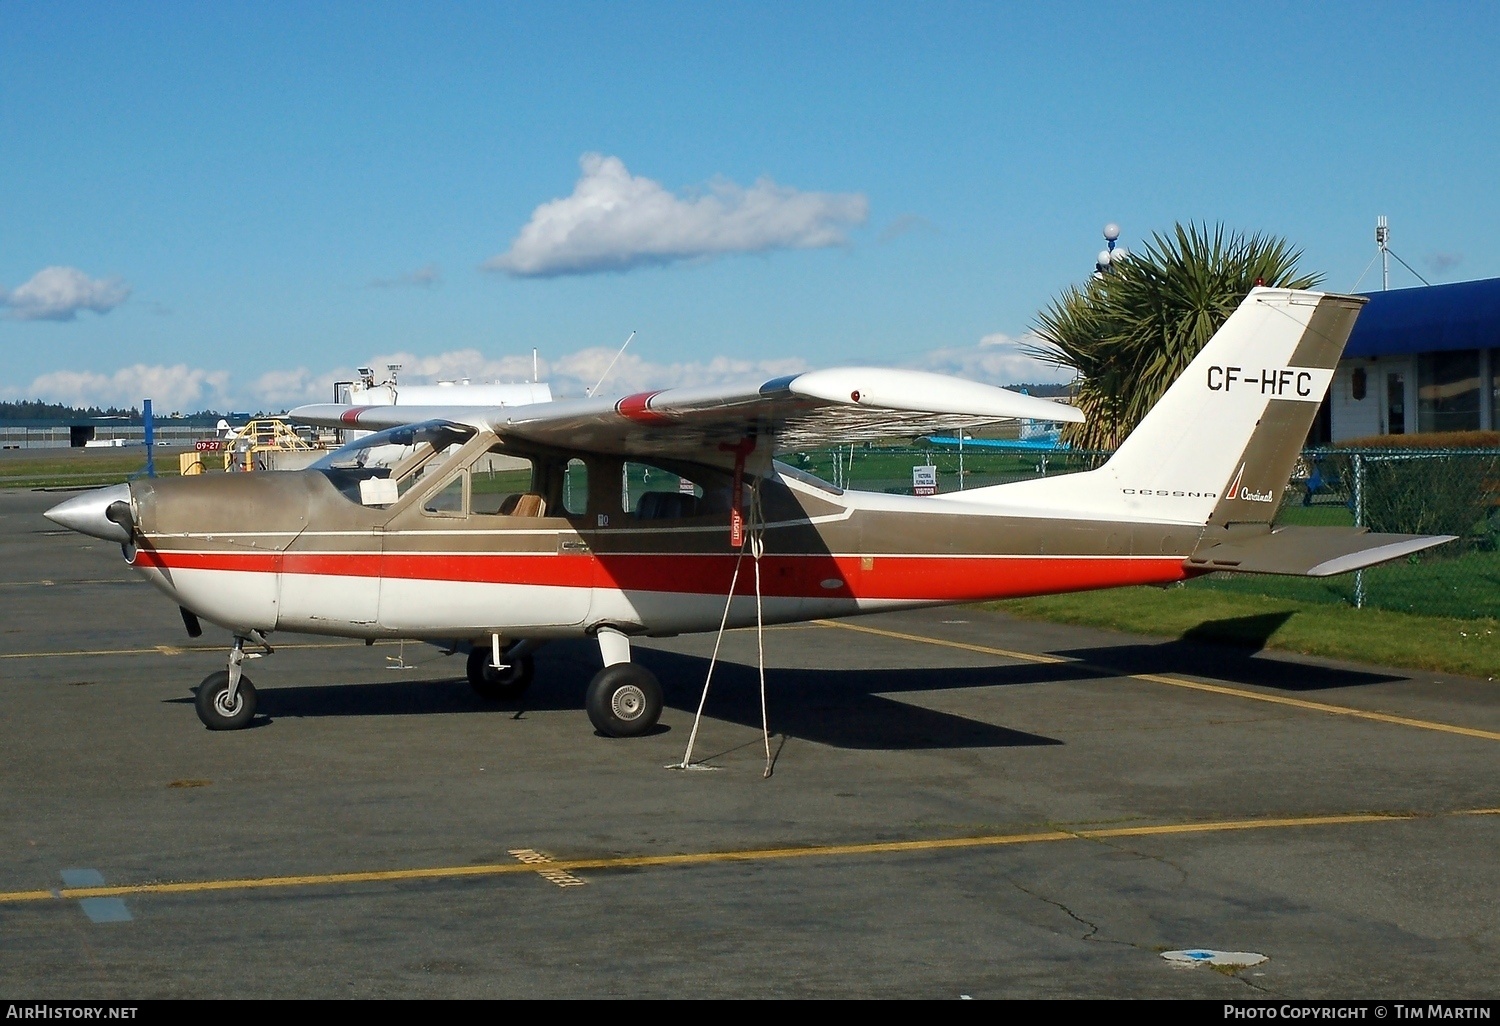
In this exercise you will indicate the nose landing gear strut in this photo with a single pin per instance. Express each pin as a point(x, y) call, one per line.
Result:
point(227, 700)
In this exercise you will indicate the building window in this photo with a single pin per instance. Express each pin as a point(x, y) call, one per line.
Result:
point(1495, 389)
point(1395, 404)
point(1448, 391)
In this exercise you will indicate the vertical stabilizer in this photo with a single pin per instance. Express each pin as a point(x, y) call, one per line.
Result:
point(1220, 444)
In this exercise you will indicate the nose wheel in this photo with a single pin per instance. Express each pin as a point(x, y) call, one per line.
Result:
point(222, 709)
point(226, 700)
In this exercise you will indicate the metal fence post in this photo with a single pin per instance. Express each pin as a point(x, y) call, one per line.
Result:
point(1359, 521)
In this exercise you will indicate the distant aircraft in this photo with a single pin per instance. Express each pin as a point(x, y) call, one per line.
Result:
point(1049, 442)
point(365, 392)
point(508, 526)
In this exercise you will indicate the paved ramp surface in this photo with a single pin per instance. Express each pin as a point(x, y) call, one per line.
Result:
point(961, 804)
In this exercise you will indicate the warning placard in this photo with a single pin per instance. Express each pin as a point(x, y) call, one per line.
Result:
point(924, 480)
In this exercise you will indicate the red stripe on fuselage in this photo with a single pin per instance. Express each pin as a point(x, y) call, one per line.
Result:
point(925, 578)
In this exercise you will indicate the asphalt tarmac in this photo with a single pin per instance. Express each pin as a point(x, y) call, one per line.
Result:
point(961, 804)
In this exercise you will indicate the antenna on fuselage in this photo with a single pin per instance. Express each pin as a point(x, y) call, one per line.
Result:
point(595, 390)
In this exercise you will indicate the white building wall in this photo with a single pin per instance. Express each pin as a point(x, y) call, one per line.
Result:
point(1362, 418)
point(1350, 417)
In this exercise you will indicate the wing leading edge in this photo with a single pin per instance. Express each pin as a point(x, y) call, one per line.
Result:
point(843, 404)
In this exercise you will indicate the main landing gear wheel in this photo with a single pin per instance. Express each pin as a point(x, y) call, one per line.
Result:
point(624, 700)
point(215, 708)
point(499, 682)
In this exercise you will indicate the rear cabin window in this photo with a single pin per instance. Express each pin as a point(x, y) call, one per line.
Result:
point(649, 492)
point(576, 487)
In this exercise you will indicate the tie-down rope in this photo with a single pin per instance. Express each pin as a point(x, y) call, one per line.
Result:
point(755, 539)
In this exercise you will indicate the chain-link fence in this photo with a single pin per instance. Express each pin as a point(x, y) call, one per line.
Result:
point(1404, 491)
point(889, 469)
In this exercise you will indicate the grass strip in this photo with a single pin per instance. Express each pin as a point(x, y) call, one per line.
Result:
point(1377, 636)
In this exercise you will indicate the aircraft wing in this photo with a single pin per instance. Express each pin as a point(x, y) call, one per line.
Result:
point(824, 407)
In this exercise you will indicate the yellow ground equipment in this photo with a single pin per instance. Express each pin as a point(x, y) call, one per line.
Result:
point(249, 447)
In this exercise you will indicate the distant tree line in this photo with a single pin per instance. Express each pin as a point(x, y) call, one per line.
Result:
point(35, 409)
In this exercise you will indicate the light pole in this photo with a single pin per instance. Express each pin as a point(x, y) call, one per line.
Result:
point(1112, 253)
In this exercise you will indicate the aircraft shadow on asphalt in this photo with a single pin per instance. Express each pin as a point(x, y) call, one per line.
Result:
point(841, 708)
point(1229, 651)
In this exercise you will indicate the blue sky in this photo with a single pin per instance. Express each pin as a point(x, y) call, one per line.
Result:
point(230, 205)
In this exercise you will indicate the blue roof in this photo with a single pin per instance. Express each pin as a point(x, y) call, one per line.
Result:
point(1465, 315)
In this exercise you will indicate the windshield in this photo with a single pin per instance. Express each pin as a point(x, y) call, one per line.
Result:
point(389, 447)
point(377, 469)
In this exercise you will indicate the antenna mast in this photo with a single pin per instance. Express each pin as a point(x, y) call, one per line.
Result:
point(594, 391)
point(1382, 239)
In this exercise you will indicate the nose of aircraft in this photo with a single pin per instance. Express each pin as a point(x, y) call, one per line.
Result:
point(102, 513)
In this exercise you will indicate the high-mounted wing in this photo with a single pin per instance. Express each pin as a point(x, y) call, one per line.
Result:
point(800, 411)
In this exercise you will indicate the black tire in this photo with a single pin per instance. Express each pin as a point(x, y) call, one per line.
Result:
point(499, 684)
point(624, 700)
point(215, 713)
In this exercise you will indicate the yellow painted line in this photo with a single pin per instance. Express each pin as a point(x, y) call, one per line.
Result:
point(1176, 682)
point(713, 857)
point(173, 650)
point(942, 643)
point(546, 867)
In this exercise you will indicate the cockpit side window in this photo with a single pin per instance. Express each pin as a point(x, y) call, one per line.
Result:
point(450, 500)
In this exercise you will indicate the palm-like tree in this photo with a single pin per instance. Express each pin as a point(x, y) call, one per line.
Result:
point(1131, 332)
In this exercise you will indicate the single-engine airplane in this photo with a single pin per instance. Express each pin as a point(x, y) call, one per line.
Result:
point(503, 527)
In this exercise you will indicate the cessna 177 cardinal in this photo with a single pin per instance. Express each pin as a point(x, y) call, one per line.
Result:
point(504, 527)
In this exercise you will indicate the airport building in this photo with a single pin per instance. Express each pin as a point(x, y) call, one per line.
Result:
point(95, 432)
point(1420, 360)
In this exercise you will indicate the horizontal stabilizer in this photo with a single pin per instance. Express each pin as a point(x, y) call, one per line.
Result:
point(1306, 551)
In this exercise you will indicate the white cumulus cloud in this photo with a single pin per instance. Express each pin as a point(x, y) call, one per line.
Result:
point(178, 387)
point(615, 221)
point(572, 374)
point(58, 293)
point(997, 359)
